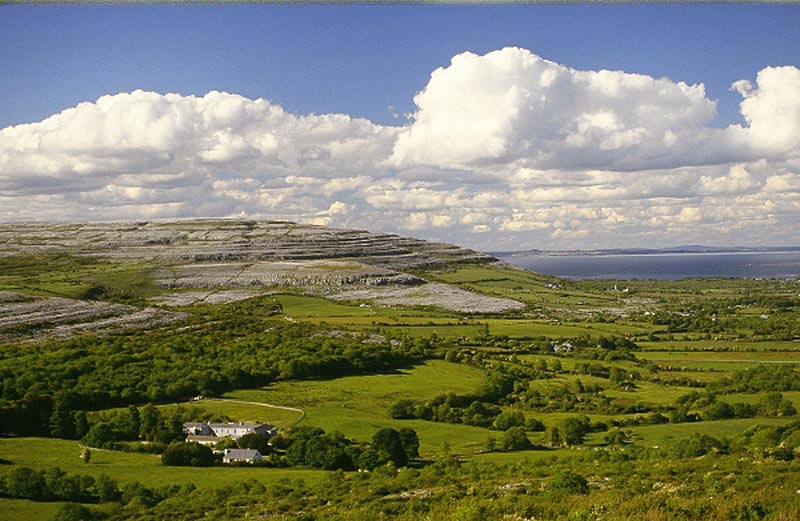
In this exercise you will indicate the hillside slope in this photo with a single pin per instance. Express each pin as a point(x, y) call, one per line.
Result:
point(54, 268)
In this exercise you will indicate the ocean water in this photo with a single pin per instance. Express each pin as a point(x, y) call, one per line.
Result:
point(663, 266)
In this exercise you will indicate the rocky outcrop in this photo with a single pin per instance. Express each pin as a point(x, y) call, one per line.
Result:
point(231, 241)
point(219, 260)
point(25, 316)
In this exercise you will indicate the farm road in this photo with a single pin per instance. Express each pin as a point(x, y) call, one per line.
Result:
point(273, 406)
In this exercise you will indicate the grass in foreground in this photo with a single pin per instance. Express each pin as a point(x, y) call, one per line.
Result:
point(126, 467)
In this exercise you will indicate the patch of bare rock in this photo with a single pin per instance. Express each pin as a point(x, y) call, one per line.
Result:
point(24, 316)
point(219, 260)
point(434, 294)
point(221, 240)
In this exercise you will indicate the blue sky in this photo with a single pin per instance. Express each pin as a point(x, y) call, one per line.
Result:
point(361, 60)
point(596, 180)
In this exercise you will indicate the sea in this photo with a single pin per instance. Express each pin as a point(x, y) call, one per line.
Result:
point(661, 266)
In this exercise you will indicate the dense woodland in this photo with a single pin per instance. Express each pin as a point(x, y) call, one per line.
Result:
point(572, 393)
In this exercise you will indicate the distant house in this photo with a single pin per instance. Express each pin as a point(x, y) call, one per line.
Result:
point(197, 429)
point(241, 456)
point(203, 440)
point(210, 433)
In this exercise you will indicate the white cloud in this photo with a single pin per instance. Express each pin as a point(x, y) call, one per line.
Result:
point(513, 105)
point(145, 133)
point(772, 109)
point(506, 150)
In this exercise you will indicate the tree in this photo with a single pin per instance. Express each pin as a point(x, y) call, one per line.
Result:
point(328, 452)
point(534, 425)
point(26, 483)
point(774, 404)
point(62, 421)
point(574, 429)
point(253, 440)
point(81, 424)
point(718, 411)
point(507, 419)
point(554, 436)
point(410, 442)
point(388, 444)
point(497, 386)
point(618, 437)
point(173, 430)
point(107, 489)
point(86, 455)
point(149, 420)
point(187, 454)
point(370, 459)
point(516, 439)
point(696, 445)
point(73, 512)
point(401, 409)
point(569, 482)
point(617, 375)
point(134, 422)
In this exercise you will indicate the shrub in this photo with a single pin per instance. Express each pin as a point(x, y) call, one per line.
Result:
point(507, 419)
point(569, 482)
point(516, 439)
point(187, 454)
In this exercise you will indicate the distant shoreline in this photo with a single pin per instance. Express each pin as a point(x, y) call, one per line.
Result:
point(699, 250)
point(777, 263)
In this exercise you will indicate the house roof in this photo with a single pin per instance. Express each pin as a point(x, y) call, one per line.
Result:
point(200, 438)
point(229, 425)
point(242, 454)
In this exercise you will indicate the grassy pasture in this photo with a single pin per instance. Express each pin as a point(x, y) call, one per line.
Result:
point(415, 323)
point(530, 288)
point(753, 398)
point(662, 434)
point(241, 411)
point(356, 405)
point(443, 330)
point(650, 392)
point(126, 467)
point(567, 363)
point(70, 276)
point(757, 357)
point(536, 328)
point(714, 345)
point(698, 375)
point(306, 307)
point(24, 510)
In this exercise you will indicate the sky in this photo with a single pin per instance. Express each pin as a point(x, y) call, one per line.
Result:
point(496, 127)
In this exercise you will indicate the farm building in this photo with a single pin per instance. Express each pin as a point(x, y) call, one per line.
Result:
point(209, 433)
point(241, 456)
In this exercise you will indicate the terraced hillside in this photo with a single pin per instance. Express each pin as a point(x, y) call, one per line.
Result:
point(178, 263)
point(229, 240)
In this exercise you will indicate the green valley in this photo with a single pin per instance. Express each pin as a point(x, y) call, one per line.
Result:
point(406, 380)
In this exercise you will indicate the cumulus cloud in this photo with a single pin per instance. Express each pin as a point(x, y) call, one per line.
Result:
point(507, 150)
point(511, 105)
point(183, 138)
point(772, 108)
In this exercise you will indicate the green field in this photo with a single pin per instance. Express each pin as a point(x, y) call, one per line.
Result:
point(662, 434)
point(127, 467)
point(357, 405)
point(624, 353)
point(25, 510)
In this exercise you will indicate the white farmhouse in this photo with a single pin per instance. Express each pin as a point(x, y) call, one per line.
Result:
point(241, 455)
point(211, 433)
